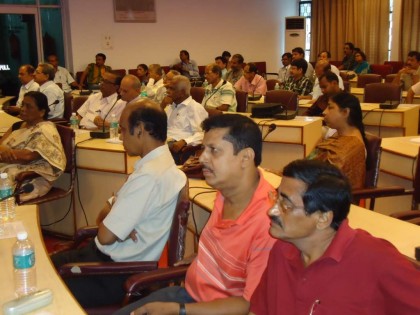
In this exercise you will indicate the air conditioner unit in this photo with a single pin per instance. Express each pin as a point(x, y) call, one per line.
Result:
point(295, 33)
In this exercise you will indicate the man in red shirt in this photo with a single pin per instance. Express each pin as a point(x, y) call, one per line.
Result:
point(319, 265)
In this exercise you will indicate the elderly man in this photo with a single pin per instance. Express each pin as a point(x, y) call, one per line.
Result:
point(96, 112)
point(299, 54)
point(251, 82)
point(154, 88)
point(168, 78)
point(130, 89)
point(94, 72)
point(62, 75)
point(219, 94)
point(187, 67)
point(284, 72)
point(319, 264)
point(297, 81)
point(348, 62)
point(233, 247)
point(26, 78)
point(132, 226)
point(236, 70)
point(410, 74)
point(44, 76)
point(184, 117)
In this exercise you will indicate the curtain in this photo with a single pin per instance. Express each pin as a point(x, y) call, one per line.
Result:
point(364, 23)
point(409, 28)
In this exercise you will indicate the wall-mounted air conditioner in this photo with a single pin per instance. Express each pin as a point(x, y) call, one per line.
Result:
point(295, 33)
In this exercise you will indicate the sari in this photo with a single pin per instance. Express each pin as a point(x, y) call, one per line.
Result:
point(348, 153)
point(44, 139)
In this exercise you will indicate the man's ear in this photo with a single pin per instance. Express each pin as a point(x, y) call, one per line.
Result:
point(248, 156)
point(324, 220)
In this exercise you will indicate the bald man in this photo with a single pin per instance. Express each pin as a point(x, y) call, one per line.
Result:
point(130, 89)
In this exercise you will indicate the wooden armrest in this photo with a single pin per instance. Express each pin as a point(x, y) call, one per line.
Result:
point(143, 280)
point(406, 215)
point(106, 268)
point(19, 178)
point(377, 192)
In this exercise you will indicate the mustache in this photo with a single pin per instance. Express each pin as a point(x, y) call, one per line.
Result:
point(276, 220)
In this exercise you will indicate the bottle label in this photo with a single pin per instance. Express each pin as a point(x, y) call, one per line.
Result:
point(24, 262)
point(6, 192)
point(113, 124)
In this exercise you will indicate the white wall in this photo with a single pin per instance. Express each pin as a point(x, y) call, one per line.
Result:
point(204, 28)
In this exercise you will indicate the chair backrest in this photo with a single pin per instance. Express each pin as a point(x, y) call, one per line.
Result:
point(177, 235)
point(381, 92)
point(261, 66)
point(197, 93)
point(373, 151)
point(364, 79)
point(416, 182)
point(347, 86)
point(67, 139)
point(120, 72)
point(396, 65)
point(390, 77)
point(271, 83)
point(382, 70)
point(242, 100)
point(284, 97)
point(68, 98)
point(78, 102)
point(133, 72)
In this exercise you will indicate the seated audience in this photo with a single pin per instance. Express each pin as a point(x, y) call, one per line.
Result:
point(227, 55)
point(362, 66)
point(94, 72)
point(187, 67)
point(44, 76)
point(184, 117)
point(319, 264)
point(26, 78)
point(410, 73)
point(143, 73)
point(236, 69)
point(222, 63)
point(130, 89)
point(348, 62)
point(329, 86)
point(299, 54)
point(33, 144)
point(326, 55)
point(414, 90)
point(168, 78)
point(284, 72)
point(321, 67)
point(234, 245)
point(132, 226)
point(100, 105)
point(219, 94)
point(62, 75)
point(154, 87)
point(297, 81)
point(345, 149)
point(251, 82)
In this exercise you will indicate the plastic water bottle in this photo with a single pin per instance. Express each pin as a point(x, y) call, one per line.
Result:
point(24, 265)
point(205, 83)
point(7, 206)
point(143, 92)
point(113, 127)
point(74, 122)
point(277, 86)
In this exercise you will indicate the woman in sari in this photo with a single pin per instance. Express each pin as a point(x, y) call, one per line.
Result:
point(33, 144)
point(346, 148)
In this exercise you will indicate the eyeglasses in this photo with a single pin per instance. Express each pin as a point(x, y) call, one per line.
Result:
point(286, 205)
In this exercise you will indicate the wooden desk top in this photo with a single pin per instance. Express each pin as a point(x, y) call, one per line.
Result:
point(6, 121)
point(5, 99)
point(404, 236)
point(47, 277)
point(404, 146)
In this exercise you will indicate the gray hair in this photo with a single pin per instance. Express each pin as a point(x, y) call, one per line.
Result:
point(47, 69)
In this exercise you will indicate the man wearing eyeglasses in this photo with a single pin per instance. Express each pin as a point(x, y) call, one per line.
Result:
point(102, 105)
point(320, 265)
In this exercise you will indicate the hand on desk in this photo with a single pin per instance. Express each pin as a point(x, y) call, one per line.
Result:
point(99, 122)
point(157, 308)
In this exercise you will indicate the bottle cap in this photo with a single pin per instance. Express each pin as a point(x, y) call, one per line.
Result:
point(3, 175)
point(22, 235)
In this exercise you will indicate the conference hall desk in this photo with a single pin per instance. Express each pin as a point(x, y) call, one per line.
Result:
point(400, 122)
point(102, 169)
point(291, 140)
point(360, 93)
point(47, 278)
point(398, 166)
point(6, 121)
point(404, 236)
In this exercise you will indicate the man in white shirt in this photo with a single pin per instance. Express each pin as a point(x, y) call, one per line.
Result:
point(414, 90)
point(184, 117)
point(26, 78)
point(44, 76)
point(321, 67)
point(130, 89)
point(62, 75)
point(135, 224)
point(326, 55)
point(284, 72)
point(154, 87)
point(97, 110)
